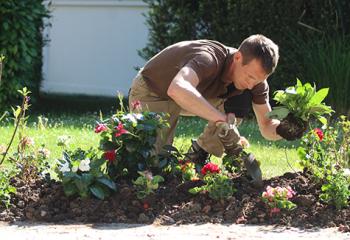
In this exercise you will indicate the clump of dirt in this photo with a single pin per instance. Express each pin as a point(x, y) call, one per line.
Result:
point(43, 200)
point(292, 126)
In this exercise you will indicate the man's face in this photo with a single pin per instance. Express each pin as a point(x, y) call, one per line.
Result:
point(249, 75)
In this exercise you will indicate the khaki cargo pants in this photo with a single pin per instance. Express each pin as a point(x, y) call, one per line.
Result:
point(208, 140)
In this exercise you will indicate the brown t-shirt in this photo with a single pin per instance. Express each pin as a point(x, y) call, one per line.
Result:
point(209, 59)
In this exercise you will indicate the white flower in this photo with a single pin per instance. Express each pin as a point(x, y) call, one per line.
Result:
point(307, 156)
point(130, 117)
point(138, 116)
point(84, 165)
point(291, 90)
point(65, 167)
point(44, 152)
point(75, 169)
point(346, 172)
point(63, 140)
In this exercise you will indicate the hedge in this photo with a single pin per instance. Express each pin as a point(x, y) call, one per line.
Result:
point(21, 42)
point(230, 21)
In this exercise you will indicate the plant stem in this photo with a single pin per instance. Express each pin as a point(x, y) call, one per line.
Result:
point(285, 152)
point(15, 131)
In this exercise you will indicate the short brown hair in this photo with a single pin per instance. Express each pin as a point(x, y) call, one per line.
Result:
point(262, 48)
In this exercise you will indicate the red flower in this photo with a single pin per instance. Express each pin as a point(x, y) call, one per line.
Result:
point(145, 206)
point(100, 128)
point(319, 133)
point(110, 155)
point(210, 167)
point(136, 105)
point(120, 130)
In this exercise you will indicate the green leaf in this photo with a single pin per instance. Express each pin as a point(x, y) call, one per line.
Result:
point(278, 112)
point(70, 189)
point(319, 96)
point(157, 179)
point(98, 192)
point(323, 120)
point(109, 183)
point(195, 190)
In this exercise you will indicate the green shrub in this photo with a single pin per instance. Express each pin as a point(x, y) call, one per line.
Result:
point(21, 42)
point(230, 21)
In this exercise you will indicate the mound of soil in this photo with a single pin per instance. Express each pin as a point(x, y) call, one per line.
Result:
point(43, 200)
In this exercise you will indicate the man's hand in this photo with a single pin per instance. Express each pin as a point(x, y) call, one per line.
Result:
point(229, 135)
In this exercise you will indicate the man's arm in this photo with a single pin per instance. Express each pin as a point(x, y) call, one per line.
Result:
point(267, 126)
point(183, 91)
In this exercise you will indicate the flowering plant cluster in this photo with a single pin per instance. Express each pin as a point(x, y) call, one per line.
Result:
point(278, 198)
point(187, 170)
point(325, 153)
point(83, 173)
point(216, 183)
point(126, 149)
point(127, 140)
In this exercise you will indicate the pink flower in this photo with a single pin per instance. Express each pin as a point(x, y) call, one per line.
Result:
point(100, 128)
point(110, 155)
point(120, 130)
point(275, 210)
point(210, 167)
point(319, 133)
point(270, 191)
point(136, 105)
point(290, 192)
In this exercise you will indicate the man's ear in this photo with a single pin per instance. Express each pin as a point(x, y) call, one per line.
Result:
point(238, 57)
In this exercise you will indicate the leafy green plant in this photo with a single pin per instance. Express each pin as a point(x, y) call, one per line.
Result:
point(336, 190)
point(216, 183)
point(128, 139)
point(277, 198)
point(326, 154)
point(83, 173)
point(19, 114)
point(303, 101)
point(146, 184)
point(6, 189)
point(187, 170)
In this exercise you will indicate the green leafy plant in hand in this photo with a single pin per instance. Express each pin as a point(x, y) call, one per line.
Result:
point(146, 183)
point(84, 174)
point(303, 101)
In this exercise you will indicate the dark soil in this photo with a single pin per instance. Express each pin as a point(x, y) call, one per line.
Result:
point(172, 204)
point(293, 127)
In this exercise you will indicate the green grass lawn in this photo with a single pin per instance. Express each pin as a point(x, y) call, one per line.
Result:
point(80, 128)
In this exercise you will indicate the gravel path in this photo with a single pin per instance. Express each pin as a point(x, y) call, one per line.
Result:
point(136, 231)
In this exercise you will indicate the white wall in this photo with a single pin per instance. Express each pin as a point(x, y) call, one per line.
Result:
point(93, 46)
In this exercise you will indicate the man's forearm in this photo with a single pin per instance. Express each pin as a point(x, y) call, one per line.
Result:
point(188, 98)
point(192, 101)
